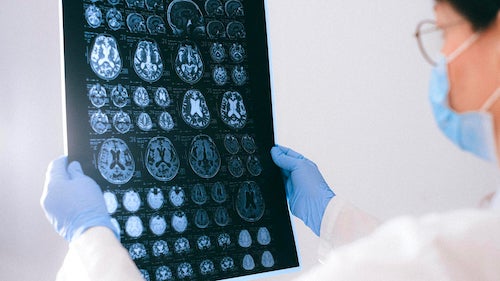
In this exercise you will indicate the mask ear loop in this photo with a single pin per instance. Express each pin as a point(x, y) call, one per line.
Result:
point(491, 100)
point(462, 47)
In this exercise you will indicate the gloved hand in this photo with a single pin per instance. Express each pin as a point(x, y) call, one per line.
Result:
point(72, 201)
point(308, 193)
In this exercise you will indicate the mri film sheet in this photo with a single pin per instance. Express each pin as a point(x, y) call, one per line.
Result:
point(168, 108)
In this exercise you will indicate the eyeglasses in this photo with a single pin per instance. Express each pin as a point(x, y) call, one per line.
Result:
point(430, 38)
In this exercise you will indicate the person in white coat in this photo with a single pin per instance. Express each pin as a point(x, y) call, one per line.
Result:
point(458, 245)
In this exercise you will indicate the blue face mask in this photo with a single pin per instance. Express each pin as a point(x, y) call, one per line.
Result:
point(471, 131)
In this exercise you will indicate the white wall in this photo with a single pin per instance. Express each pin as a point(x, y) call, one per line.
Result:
point(350, 94)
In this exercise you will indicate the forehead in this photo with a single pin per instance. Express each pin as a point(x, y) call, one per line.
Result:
point(445, 13)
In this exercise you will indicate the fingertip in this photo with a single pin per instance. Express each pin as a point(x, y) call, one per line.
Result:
point(57, 167)
point(75, 169)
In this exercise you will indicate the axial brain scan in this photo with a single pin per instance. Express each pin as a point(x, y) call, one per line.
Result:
point(105, 58)
point(204, 157)
point(188, 63)
point(194, 110)
point(249, 202)
point(115, 161)
point(148, 63)
point(233, 111)
point(161, 159)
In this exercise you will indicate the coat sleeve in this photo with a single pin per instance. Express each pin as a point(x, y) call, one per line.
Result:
point(343, 223)
point(98, 255)
point(460, 245)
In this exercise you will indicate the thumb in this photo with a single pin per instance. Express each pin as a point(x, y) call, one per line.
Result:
point(75, 170)
point(283, 160)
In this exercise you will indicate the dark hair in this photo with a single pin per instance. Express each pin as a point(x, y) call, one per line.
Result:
point(481, 13)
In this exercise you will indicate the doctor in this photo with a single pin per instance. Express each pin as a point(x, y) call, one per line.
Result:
point(459, 245)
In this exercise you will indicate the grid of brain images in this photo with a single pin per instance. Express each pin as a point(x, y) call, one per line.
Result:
point(173, 137)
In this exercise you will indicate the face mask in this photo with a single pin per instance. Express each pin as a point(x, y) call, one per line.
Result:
point(471, 131)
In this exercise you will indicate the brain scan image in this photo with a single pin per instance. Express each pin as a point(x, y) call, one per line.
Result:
point(199, 194)
point(110, 201)
point(99, 122)
point(114, 19)
point(217, 52)
point(204, 242)
point(263, 236)
point(179, 221)
point(122, 122)
point(235, 30)
point(137, 251)
point(220, 75)
point(176, 196)
point(224, 240)
point(188, 63)
point(160, 248)
point(141, 97)
point(136, 23)
point(163, 273)
point(194, 110)
point(114, 2)
point(162, 161)
point(185, 18)
point(248, 263)
point(234, 8)
point(232, 110)
point(214, 8)
point(239, 75)
point(207, 267)
point(181, 245)
point(135, 3)
point(154, 4)
point(216, 29)
point(97, 95)
point(201, 219)
point(148, 63)
point(156, 25)
point(115, 161)
point(155, 198)
point(158, 225)
point(221, 216)
point(144, 122)
point(219, 193)
point(237, 52)
point(235, 166)
point(133, 227)
point(93, 15)
point(105, 58)
point(249, 202)
point(184, 270)
point(131, 201)
point(267, 259)
point(231, 144)
point(227, 264)
point(248, 144)
point(166, 122)
point(145, 274)
point(162, 98)
point(244, 239)
point(253, 165)
point(116, 225)
point(119, 96)
point(204, 157)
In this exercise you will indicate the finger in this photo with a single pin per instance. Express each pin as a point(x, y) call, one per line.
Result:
point(282, 160)
point(75, 170)
point(57, 169)
point(290, 152)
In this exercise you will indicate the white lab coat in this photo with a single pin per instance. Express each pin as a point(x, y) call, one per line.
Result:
point(458, 245)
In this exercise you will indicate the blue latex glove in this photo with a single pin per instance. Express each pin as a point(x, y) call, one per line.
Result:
point(308, 193)
point(72, 201)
